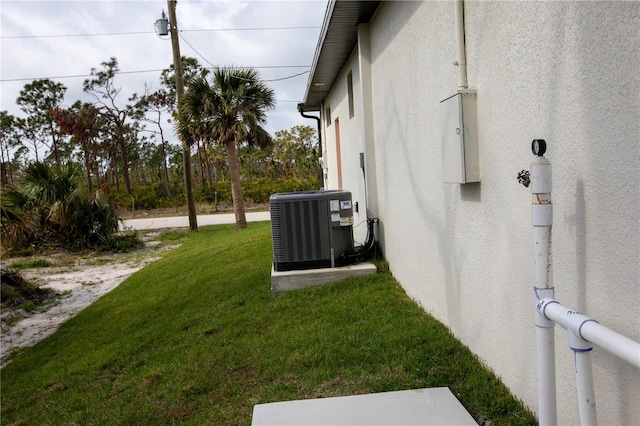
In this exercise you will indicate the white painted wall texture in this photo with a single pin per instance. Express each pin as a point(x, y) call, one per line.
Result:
point(351, 144)
point(566, 72)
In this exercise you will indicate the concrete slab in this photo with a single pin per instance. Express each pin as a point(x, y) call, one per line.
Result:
point(434, 406)
point(282, 281)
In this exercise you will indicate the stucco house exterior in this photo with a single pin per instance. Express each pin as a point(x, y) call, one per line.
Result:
point(566, 72)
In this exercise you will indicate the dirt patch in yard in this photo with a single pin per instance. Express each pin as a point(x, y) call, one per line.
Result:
point(75, 282)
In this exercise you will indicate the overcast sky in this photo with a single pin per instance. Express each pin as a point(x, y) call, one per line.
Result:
point(32, 46)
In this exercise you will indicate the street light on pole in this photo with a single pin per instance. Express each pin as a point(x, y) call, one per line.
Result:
point(163, 28)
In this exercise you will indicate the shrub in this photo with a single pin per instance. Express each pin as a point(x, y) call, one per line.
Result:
point(145, 197)
point(123, 243)
point(18, 292)
point(221, 194)
point(259, 190)
point(48, 207)
point(30, 263)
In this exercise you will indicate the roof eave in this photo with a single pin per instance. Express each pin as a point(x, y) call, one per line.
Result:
point(338, 38)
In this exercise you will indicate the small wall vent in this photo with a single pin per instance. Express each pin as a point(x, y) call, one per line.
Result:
point(311, 229)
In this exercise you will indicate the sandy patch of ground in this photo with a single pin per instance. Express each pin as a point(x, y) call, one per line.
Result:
point(78, 285)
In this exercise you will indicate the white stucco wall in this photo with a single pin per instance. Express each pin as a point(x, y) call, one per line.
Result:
point(563, 71)
point(351, 144)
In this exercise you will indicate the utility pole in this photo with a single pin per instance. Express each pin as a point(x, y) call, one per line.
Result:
point(186, 148)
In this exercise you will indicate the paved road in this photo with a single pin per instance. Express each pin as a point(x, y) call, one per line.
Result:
point(183, 221)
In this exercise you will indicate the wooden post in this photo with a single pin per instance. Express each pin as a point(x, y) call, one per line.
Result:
point(186, 148)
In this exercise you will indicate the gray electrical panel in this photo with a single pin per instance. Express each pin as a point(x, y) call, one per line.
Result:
point(311, 229)
point(459, 132)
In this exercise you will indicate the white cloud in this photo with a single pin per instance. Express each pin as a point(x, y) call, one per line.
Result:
point(40, 57)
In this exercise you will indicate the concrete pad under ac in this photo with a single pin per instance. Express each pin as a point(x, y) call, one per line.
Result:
point(282, 281)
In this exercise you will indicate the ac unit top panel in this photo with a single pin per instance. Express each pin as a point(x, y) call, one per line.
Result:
point(336, 194)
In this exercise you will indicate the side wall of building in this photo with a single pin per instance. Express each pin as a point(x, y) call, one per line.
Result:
point(566, 72)
point(349, 130)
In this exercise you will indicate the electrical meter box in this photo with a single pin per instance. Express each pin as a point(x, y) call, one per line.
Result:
point(459, 132)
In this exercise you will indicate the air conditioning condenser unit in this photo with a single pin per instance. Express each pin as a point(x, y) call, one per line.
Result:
point(312, 229)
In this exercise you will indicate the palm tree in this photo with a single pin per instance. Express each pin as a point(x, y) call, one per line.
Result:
point(48, 206)
point(229, 109)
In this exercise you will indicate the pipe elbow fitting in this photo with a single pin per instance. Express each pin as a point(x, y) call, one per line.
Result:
point(568, 319)
point(543, 294)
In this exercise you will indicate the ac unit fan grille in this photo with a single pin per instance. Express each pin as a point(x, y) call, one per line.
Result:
point(276, 231)
point(300, 231)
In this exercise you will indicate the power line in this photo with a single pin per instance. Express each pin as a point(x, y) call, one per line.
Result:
point(75, 35)
point(194, 49)
point(287, 78)
point(255, 29)
point(152, 32)
point(156, 70)
point(213, 65)
point(71, 76)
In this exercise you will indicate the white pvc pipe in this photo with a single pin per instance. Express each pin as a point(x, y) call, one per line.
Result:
point(542, 253)
point(461, 61)
point(546, 363)
point(542, 220)
point(617, 344)
point(589, 330)
point(584, 386)
point(584, 379)
point(583, 331)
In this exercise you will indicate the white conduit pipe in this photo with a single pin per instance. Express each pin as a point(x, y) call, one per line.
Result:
point(542, 219)
point(584, 385)
point(582, 363)
point(591, 331)
point(546, 364)
point(461, 60)
point(583, 331)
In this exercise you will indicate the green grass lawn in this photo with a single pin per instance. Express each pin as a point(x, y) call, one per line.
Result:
point(198, 338)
